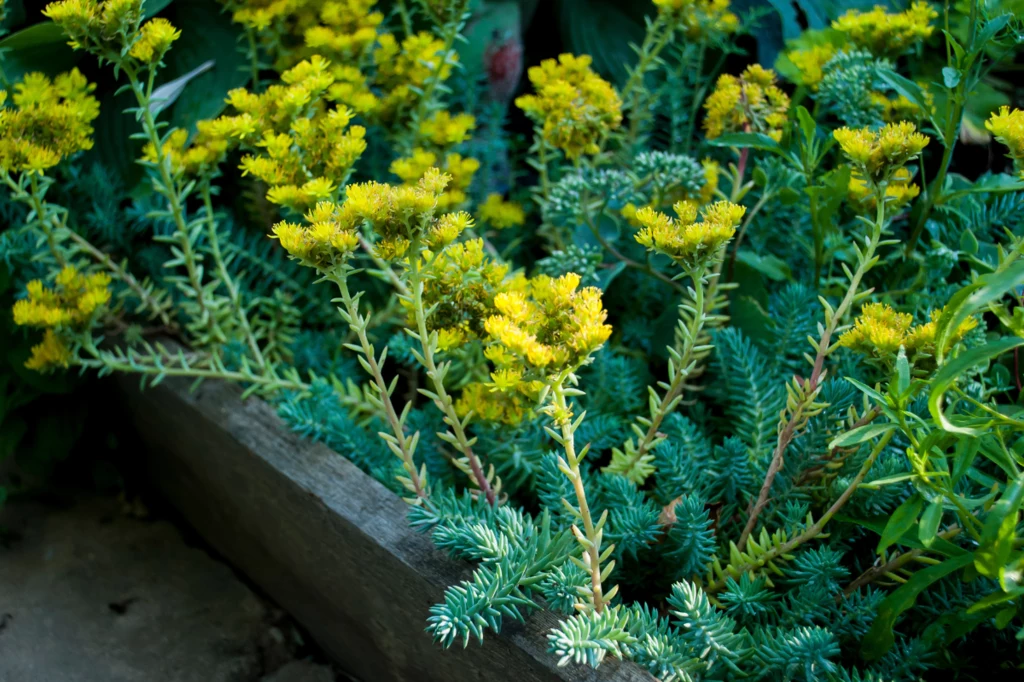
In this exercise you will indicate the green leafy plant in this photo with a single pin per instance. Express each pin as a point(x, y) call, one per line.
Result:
point(728, 378)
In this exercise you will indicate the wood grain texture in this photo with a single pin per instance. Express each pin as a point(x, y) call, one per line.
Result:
point(327, 542)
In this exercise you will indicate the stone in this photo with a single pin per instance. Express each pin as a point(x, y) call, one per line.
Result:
point(301, 671)
point(92, 593)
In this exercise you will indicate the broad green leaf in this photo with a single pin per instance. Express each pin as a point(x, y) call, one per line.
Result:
point(902, 520)
point(860, 434)
point(768, 265)
point(165, 95)
point(999, 533)
point(40, 47)
point(949, 373)
point(752, 140)
point(879, 638)
point(807, 124)
point(972, 298)
point(930, 521)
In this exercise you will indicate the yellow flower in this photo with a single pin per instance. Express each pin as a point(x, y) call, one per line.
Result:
point(810, 62)
point(328, 238)
point(694, 245)
point(1008, 127)
point(155, 38)
point(506, 406)
point(887, 34)
point(750, 103)
point(96, 25)
point(459, 291)
point(899, 191)
point(878, 154)
point(73, 301)
point(551, 327)
point(444, 130)
point(49, 354)
point(574, 107)
point(708, 20)
point(50, 121)
point(879, 332)
point(500, 214)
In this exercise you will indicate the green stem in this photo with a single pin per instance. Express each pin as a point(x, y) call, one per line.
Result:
point(450, 32)
point(680, 369)
point(166, 186)
point(402, 445)
point(655, 40)
point(797, 417)
point(760, 560)
point(225, 277)
point(591, 533)
point(440, 396)
point(43, 216)
point(254, 59)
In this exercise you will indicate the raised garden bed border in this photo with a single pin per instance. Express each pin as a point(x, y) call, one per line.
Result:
point(327, 542)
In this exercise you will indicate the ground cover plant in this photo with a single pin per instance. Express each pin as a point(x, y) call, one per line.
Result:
point(720, 361)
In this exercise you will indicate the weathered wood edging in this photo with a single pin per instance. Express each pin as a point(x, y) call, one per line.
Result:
point(327, 542)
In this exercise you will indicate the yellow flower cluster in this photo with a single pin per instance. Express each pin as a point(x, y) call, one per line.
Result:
point(100, 26)
point(694, 245)
point(207, 149)
point(883, 33)
point(260, 15)
point(444, 130)
point(574, 106)
point(810, 62)
point(50, 121)
point(878, 154)
point(347, 29)
point(404, 69)
point(71, 303)
point(1008, 128)
point(549, 326)
point(750, 103)
point(489, 405)
point(155, 38)
point(302, 150)
point(327, 240)
point(500, 214)
point(49, 354)
point(459, 289)
point(399, 215)
point(460, 170)
point(879, 332)
point(709, 20)
point(899, 191)
point(900, 108)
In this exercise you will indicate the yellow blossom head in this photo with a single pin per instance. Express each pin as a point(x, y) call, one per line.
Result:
point(1008, 127)
point(885, 34)
point(810, 63)
point(705, 20)
point(155, 38)
point(326, 240)
point(549, 327)
point(750, 103)
point(73, 303)
point(879, 332)
point(692, 244)
point(573, 106)
point(500, 214)
point(48, 122)
point(49, 354)
point(102, 27)
point(879, 154)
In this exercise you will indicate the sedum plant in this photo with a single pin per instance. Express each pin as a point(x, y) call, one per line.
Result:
point(728, 376)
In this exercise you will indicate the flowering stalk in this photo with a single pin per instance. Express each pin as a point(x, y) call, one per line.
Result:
point(635, 462)
point(760, 559)
point(592, 535)
point(401, 445)
point(436, 373)
point(51, 220)
point(165, 184)
point(802, 402)
point(658, 34)
point(234, 296)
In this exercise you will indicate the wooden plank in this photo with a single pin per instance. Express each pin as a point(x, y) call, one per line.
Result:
point(327, 542)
